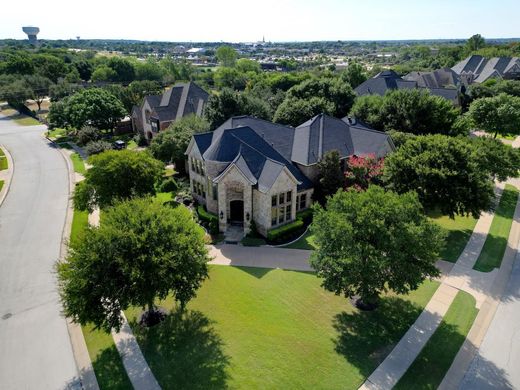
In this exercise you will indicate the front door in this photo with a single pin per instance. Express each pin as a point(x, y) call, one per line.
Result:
point(236, 211)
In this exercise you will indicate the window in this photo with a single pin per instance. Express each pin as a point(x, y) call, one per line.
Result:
point(147, 116)
point(215, 192)
point(281, 208)
point(303, 201)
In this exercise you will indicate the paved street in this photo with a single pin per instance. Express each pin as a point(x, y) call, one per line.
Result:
point(497, 363)
point(35, 349)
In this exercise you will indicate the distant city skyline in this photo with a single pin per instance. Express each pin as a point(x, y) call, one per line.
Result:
point(276, 20)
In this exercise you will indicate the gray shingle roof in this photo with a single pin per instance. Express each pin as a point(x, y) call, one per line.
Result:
point(481, 69)
point(323, 133)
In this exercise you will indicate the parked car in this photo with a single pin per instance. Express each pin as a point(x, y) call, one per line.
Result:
point(119, 145)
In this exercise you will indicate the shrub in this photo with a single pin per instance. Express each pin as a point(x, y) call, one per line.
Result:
point(284, 233)
point(87, 134)
point(209, 220)
point(96, 147)
point(168, 185)
point(305, 216)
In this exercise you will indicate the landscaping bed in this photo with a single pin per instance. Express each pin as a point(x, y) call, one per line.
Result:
point(496, 242)
point(3, 161)
point(276, 329)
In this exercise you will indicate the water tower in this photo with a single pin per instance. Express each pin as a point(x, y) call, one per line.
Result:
point(32, 33)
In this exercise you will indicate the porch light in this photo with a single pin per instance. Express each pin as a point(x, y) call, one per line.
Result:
point(221, 215)
point(247, 217)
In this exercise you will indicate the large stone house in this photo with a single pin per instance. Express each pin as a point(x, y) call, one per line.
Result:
point(157, 112)
point(389, 80)
point(477, 69)
point(250, 169)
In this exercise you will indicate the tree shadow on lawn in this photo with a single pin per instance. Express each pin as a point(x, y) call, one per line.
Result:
point(184, 352)
point(109, 369)
point(367, 337)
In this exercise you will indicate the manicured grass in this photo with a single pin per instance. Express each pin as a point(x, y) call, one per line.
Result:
point(78, 163)
point(164, 196)
point(79, 224)
point(253, 241)
point(3, 160)
point(109, 369)
point(496, 241)
point(252, 328)
point(458, 229)
point(1, 184)
point(305, 242)
point(430, 367)
point(25, 120)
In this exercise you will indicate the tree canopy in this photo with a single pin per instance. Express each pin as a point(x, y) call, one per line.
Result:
point(446, 172)
point(373, 241)
point(142, 251)
point(497, 115)
point(94, 106)
point(117, 175)
point(408, 110)
point(226, 55)
point(171, 144)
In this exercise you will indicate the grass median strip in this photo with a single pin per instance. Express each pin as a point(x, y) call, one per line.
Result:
point(430, 367)
point(1, 184)
point(272, 328)
point(78, 163)
point(496, 242)
point(3, 160)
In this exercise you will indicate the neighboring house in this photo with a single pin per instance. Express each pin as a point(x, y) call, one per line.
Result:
point(389, 80)
point(250, 169)
point(440, 78)
point(477, 69)
point(157, 112)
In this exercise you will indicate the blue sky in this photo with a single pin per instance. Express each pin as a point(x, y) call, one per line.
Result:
point(277, 20)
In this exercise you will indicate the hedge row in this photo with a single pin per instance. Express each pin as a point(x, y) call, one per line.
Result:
point(284, 233)
point(209, 220)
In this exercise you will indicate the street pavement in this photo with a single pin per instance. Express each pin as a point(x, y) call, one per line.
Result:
point(35, 348)
point(497, 364)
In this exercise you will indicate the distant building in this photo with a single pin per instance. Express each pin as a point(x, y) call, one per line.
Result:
point(477, 69)
point(157, 112)
point(32, 33)
point(250, 169)
point(389, 80)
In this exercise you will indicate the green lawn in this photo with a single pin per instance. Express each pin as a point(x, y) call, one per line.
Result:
point(56, 133)
point(79, 223)
point(252, 328)
point(458, 231)
point(78, 163)
point(109, 369)
point(430, 367)
point(3, 160)
point(1, 184)
point(25, 120)
point(496, 241)
point(305, 242)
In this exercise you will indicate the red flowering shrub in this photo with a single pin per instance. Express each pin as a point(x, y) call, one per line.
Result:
point(362, 171)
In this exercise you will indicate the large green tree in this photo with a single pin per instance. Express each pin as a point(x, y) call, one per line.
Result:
point(116, 175)
point(475, 43)
point(40, 86)
point(497, 115)
point(226, 55)
point(373, 241)
point(446, 172)
point(170, 145)
point(94, 106)
point(229, 103)
point(142, 251)
point(331, 177)
point(329, 95)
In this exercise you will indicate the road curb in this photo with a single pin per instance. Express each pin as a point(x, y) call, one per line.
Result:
point(10, 173)
point(79, 347)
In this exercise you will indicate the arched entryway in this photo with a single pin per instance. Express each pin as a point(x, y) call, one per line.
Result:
point(236, 211)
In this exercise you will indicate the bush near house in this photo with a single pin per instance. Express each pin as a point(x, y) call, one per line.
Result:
point(285, 233)
point(305, 216)
point(208, 220)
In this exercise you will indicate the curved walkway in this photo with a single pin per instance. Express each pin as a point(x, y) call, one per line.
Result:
point(36, 351)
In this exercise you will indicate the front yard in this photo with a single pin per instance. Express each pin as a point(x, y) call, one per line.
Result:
point(261, 328)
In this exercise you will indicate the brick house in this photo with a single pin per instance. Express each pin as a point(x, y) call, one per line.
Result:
point(157, 112)
point(250, 169)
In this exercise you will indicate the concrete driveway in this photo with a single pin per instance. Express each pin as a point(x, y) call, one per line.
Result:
point(35, 349)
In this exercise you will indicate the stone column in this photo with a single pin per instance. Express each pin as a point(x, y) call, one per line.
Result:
point(222, 207)
point(248, 207)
